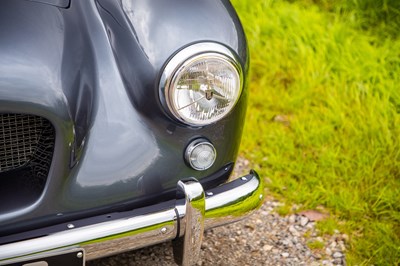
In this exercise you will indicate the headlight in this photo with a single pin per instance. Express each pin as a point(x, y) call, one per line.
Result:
point(201, 84)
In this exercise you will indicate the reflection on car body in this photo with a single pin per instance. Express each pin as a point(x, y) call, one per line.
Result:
point(120, 125)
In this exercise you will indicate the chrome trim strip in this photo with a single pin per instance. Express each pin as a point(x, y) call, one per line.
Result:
point(224, 204)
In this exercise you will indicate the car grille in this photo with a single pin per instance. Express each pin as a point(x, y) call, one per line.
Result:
point(26, 141)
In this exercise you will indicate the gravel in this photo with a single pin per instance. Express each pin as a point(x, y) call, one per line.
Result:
point(265, 238)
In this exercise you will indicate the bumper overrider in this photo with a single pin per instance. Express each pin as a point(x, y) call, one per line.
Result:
point(195, 210)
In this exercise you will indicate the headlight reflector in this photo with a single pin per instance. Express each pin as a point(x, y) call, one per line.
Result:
point(201, 84)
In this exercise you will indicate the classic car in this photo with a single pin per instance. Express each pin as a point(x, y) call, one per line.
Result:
point(120, 123)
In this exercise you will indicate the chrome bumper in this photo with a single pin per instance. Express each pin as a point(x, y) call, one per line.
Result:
point(195, 210)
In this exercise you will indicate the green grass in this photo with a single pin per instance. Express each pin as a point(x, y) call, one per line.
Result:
point(324, 113)
point(315, 245)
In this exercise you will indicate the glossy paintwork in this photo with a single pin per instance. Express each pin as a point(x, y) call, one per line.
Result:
point(58, 3)
point(93, 71)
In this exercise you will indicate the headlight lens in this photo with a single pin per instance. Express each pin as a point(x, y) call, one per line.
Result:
point(201, 84)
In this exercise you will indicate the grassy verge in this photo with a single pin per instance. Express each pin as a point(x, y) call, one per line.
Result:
point(324, 115)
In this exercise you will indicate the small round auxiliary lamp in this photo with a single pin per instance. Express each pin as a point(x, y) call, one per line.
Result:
point(200, 154)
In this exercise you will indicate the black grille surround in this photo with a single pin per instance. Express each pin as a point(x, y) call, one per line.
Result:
point(26, 151)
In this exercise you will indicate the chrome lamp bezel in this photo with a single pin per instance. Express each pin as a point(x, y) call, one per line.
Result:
point(185, 57)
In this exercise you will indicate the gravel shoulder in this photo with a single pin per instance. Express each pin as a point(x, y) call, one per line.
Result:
point(265, 238)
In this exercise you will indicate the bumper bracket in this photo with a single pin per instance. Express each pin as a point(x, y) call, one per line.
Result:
point(191, 222)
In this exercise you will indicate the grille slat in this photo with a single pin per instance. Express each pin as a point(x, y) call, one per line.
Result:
point(26, 141)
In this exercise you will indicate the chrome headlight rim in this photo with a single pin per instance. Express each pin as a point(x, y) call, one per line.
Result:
point(185, 57)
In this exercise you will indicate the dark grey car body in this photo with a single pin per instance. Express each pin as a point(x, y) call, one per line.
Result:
point(92, 69)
